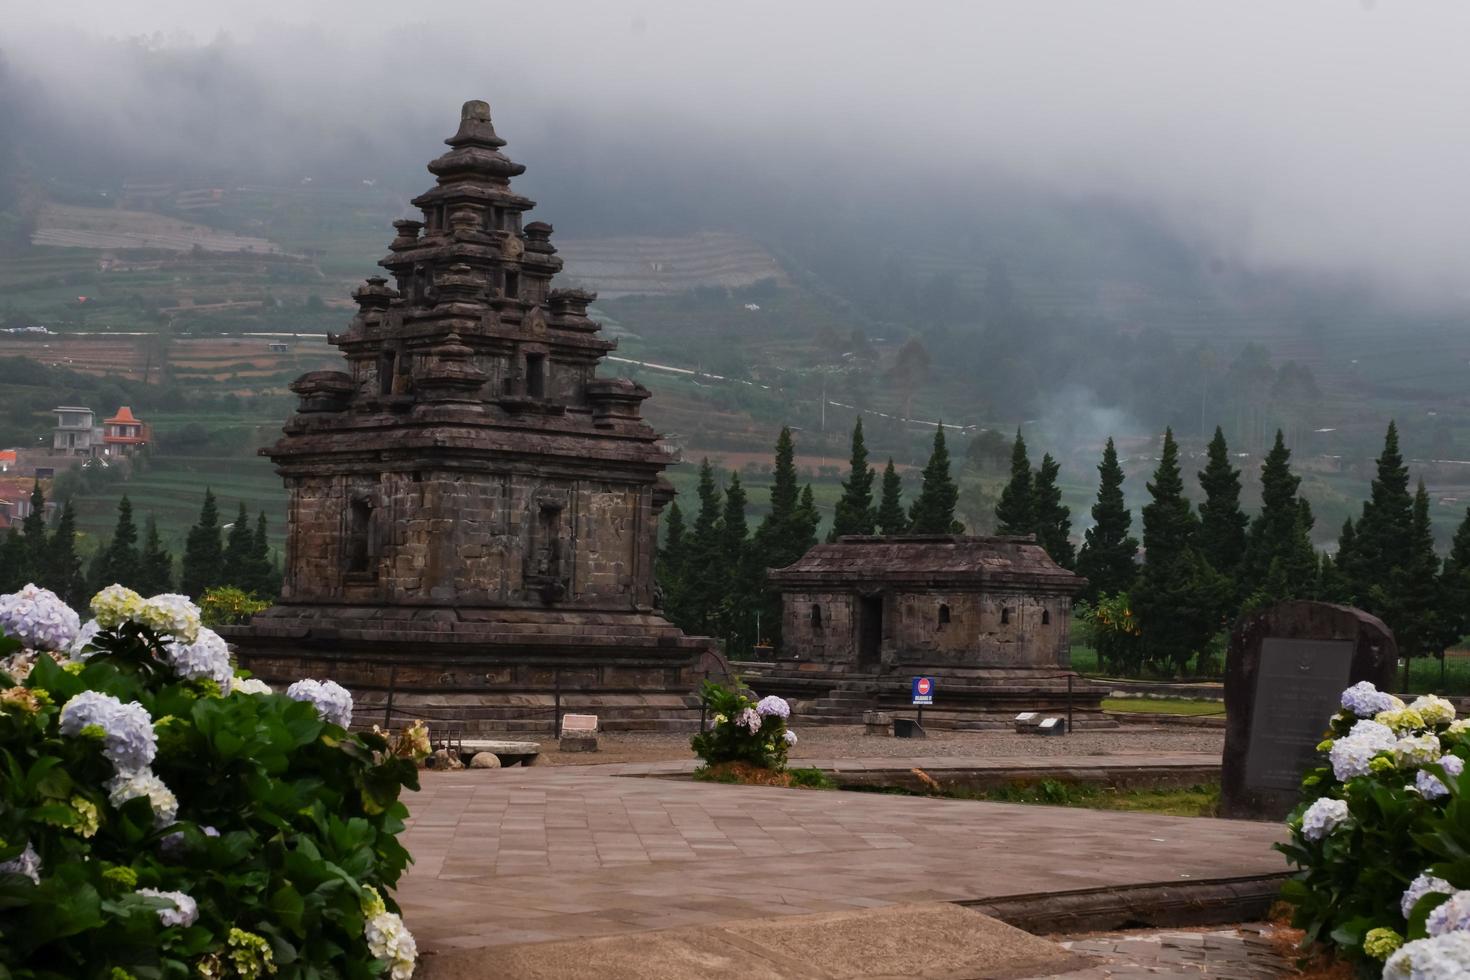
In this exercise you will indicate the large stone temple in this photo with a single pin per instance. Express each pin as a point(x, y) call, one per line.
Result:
point(473, 511)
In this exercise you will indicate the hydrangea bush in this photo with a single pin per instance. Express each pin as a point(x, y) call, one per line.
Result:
point(739, 729)
point(162, 817)
point(1382, 838)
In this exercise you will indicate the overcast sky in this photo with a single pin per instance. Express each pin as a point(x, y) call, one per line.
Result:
point(1321, 134)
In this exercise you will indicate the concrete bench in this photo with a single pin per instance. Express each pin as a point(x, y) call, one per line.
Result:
point(509, 753)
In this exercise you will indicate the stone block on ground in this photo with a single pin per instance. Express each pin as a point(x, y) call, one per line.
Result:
point(485, 760)
point(445, 759)
point(877, 723)
point(578, 743)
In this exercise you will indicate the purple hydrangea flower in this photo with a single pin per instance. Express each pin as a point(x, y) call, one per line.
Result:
point(1430, 786)
point(38, 619)
point(331, 700)
point(129, 742)
point(772, 705)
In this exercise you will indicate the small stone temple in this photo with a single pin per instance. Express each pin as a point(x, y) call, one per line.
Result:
point(988, 618)
point(473, 511)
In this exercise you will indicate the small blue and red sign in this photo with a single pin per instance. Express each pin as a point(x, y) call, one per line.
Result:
point(923, 690)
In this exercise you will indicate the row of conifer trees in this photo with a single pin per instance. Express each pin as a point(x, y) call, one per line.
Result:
point(1198, 570)
point(712, 573)
point(212, 558)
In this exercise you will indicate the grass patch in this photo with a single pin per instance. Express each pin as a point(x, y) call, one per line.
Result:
point(1191, 801)
point(1164, 706)
point(743, 774)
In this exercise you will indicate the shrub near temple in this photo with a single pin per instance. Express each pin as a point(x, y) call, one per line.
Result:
point(1382, 839)
point(160, 817)
point(740, 730)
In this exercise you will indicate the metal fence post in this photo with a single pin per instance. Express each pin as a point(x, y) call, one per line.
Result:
point(388, 704)
point(1069, 704)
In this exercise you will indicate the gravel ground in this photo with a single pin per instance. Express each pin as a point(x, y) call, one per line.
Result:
point(849, 742)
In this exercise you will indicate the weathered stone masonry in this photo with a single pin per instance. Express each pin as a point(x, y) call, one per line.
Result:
point(473, 512)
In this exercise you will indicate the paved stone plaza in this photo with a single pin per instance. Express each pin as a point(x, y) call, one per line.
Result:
point(556, 853)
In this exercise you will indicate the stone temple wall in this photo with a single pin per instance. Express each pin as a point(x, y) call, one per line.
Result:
point(980, 629)
point(472, 537)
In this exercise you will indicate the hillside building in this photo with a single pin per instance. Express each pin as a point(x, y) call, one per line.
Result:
point(123, 434)
point(76, 432)
point(473, 511)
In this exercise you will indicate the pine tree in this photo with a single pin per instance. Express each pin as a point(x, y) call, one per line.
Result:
point(121, 565)
point(1411, 604)
point(783, 536)
point(891, 516)
point(1222, 522)
point(63, 566)
point(1383, 542)
point(97, 568)
point(741, 594)
point(1015, 513)
point(33, 529)
point(237, 553)
point(203, 554)
point(933, 510)
point(1279, 539)
point(1180, 600)
point(264, 580)
point(808, 519)
point(669, 566)
point(1108, 550)
point(855, 513)
point(12, 561)
point(155, 564)
point(705, 579)
point(1339, 586)
point(1455, 585)
point(1053, 518)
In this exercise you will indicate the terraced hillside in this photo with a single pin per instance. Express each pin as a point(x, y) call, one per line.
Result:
point(70, 226)
point(663, 266)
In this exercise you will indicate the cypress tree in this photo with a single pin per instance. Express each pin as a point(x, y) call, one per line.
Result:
point(121, 564)
point(203, 554)
point(237, 571)
point(1455, 585)
point(1383, 532)
point(1280, 535)
point(63, 566)
point(933, 510)
point(156, 565)
point(1179, 599)
point(891, 516)
point(97, 568)
point(1108, 550)
point(705, 580)
point(1336, 584)
point(33, 528)
point(1015, 513)
point(669, 566)
point(783, 536)
point(855, 513)
point(741, 594)
point(1411, 602)
point(808, 519)
point(262, 571)
point(12, 560)
point(1053, 518)
point(1222, 522)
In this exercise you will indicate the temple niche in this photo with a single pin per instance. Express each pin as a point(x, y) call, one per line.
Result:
point(473, 512)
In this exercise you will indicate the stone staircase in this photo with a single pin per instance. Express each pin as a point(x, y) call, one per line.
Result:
point(843, 706)
point(531, 714)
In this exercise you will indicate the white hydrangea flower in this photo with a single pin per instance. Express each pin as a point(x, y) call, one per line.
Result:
point(1417, 750)
point(184, 913)
point(1451, 915)
point(1430, 786)
point(1433, 709)
point(169, 612)
point(750, 718)
point(331, 700)
point(1459, 727)
point(78, 649)
point(1445, 957)
point(1350, 756)
point(389, 940)
point(127, 786)
point(207, 658)
point(772, 705)
point(1379, 733)
point(250, 685)
point(1421, 886)
point(129, 742)
point(115, 605)
point(1323, 817)
point(38, 619)
point(1365, 700)
point(790, 737)
point(28, 864)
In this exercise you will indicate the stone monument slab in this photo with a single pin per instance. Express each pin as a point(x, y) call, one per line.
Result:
point(1284, 674)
